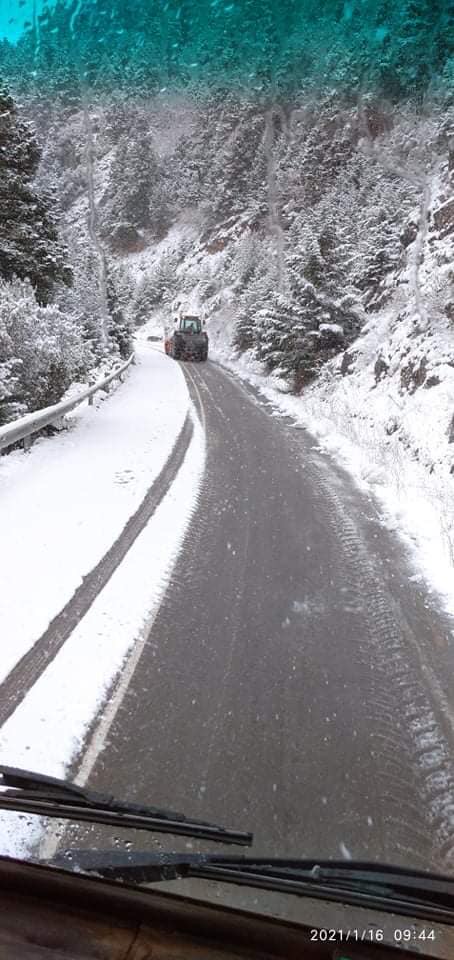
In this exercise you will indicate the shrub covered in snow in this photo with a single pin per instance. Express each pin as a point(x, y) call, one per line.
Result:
point(42, 351)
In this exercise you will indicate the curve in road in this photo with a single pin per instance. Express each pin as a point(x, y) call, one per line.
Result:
point(294, 680)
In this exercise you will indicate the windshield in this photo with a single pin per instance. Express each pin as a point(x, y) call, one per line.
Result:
point(226, 566)
point(191, 325)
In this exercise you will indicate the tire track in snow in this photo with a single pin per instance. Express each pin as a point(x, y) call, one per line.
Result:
point(426, 723)
point(32, 665)
point(243, 559)
point(410, 713)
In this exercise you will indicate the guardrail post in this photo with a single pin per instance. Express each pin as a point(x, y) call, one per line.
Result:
point(90, 400)
point(27, 443)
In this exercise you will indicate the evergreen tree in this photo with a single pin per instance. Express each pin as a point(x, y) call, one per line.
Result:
point(83, 300)
point(29, 241)
point(240, 169)
point(136, 199)
point(120, 324)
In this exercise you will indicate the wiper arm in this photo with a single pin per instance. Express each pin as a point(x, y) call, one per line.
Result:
point(390, 889)
point(47, 796)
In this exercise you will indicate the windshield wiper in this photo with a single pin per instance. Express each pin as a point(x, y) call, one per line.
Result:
point(390, 889)
point(47, 796)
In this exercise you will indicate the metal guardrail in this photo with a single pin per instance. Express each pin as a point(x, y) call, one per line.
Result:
point(25, 427)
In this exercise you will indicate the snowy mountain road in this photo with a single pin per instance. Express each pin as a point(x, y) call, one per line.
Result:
point(31, 666)
point(294, 678)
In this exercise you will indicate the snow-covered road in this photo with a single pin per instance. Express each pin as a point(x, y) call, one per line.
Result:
point(279, 668)
point(62, 508)
point(296, 678)
point(65, 503)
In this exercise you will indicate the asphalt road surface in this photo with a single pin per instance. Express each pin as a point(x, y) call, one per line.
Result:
point(296, 679)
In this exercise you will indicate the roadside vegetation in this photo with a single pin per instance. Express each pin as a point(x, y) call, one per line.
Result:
point(284, 178)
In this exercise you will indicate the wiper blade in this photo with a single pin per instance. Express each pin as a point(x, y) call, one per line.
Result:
point(389, 889)
point(35, 793)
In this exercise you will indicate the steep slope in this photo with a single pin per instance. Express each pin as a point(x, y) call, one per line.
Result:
point(385, 406)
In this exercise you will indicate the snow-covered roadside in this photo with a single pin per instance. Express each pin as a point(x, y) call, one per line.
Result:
point(394, 444)
point(63, 504)
point(47, 731)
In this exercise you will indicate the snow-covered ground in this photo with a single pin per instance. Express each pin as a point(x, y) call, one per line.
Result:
point(64, 504)
point(71, 496)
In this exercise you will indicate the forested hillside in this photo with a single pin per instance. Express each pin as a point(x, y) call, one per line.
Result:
point(48, 337)
point(282, 168)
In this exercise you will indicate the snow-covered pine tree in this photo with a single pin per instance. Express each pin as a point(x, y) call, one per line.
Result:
point(83, 300)
point(240, 167)
point(29, 242)
point(136, 200)
point(251, 273)
point(120, 322)
point(144, 302)
point(275, 331)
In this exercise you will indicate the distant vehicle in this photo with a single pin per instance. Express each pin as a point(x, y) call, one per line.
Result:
point(186, 339)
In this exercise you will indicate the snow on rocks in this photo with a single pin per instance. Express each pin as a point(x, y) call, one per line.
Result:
point(336, 328)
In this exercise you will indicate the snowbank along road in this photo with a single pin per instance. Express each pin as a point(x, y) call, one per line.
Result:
point(295, 680)
point(119, 531)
